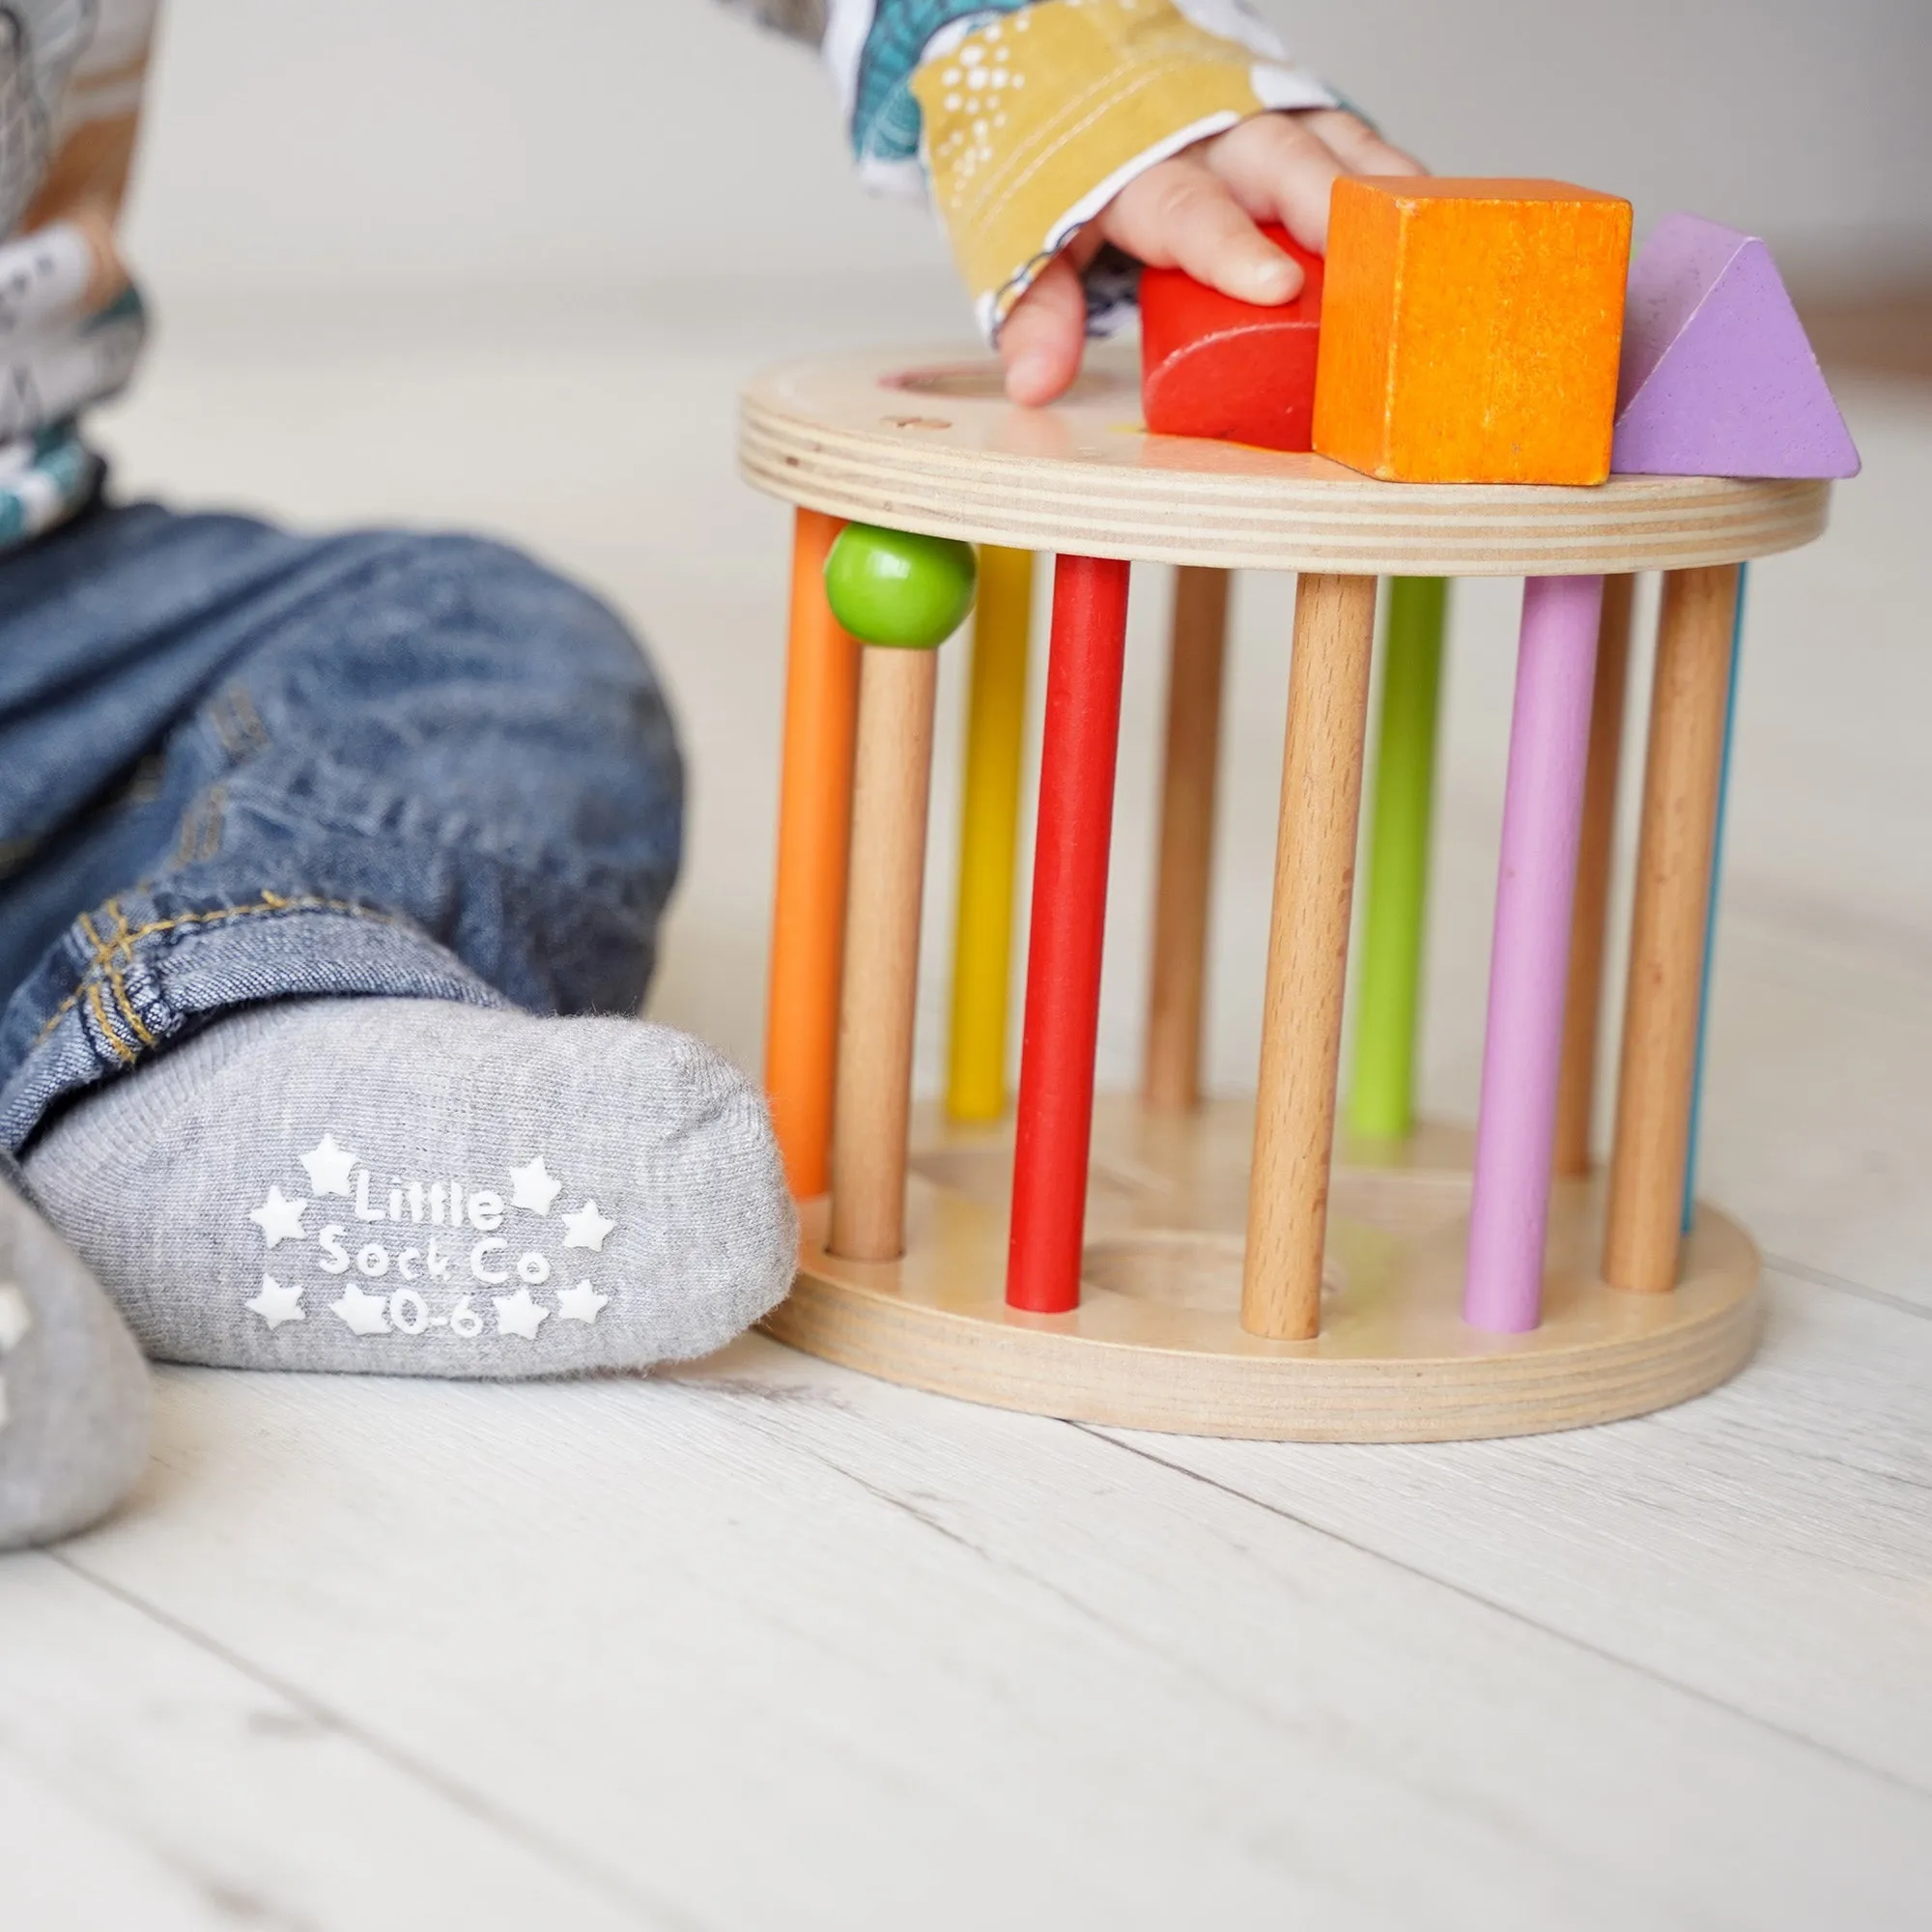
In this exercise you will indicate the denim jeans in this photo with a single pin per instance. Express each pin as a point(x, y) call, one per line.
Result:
point(237, 764)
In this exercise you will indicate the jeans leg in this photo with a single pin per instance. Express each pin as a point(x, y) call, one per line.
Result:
point(239, 765)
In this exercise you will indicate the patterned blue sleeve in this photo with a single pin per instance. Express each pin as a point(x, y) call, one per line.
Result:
point(872, 49)
point(884, 118)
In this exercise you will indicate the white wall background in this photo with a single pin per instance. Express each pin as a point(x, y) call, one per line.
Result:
point(300, 146)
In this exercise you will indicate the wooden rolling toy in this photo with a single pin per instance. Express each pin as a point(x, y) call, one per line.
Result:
point(1164, 1262)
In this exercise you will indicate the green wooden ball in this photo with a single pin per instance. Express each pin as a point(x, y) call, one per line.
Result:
point(894, 587)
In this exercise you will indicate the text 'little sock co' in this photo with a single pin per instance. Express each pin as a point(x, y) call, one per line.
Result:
point(413, 1187)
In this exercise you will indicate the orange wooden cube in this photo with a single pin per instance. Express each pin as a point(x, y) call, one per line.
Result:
point(1470, 329)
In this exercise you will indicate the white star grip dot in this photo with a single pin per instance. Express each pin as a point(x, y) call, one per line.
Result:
point(363, 1313)
point(532, 1187)
point(329, 1167)
point(279, 1218)
point(277, 1304)
point(518, 1315)
point(586, 1229)
point(582, 1303)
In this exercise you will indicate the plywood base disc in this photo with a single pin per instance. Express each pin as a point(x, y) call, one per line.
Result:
point(1157, 1341)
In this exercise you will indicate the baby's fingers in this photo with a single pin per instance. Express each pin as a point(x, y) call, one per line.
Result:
point(1182, 215)
point(1357, 145)
point(1279, 170)
point(1040, 341)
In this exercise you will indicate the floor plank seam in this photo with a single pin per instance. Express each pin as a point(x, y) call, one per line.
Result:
point(1085, 1611)
point(653, 1912)
point(1583, 1644)
point(1824, 1278)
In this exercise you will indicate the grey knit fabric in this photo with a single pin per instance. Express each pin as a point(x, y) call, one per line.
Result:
point(74, 1390)
point(416, 1187)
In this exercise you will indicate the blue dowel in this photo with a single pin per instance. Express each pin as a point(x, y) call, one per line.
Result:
point(1711, 911)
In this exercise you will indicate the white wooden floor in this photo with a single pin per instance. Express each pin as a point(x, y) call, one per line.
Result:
point(763, 1643)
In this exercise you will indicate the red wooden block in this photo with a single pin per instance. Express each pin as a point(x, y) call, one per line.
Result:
point(1214, 366)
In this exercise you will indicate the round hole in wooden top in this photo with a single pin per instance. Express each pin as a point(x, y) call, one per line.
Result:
point(986, 382)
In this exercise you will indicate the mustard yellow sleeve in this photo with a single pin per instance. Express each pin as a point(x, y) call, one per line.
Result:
point(1035, 121)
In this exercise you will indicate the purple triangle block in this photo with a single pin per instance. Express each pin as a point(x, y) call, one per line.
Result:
point(1718, 378)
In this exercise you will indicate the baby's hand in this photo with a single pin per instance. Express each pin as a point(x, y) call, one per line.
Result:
point(1198, 212)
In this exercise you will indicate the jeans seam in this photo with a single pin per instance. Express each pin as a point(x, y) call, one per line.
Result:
point(103, 959)
point(102, 966)
point(121, 1047)
point(119, 983)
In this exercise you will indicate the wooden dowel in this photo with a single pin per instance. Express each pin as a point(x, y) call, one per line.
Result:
point(892, 781)
point(808, 898)
point(1689, 1215)
point(1673, 882)
point(1536, 879)
point(1582, 1007)
point(1197, 653)
point(1308, 955)
point(1381, 1094)
point(976, 1086)
point(1054, 1121)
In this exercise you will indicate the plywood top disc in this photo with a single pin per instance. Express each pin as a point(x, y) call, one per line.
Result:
point(928, 442)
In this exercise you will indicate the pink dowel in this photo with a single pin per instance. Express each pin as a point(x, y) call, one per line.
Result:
point(1523, 1050)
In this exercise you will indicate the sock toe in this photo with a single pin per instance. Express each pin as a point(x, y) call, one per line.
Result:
point(416, 1187)
point(74, 1403)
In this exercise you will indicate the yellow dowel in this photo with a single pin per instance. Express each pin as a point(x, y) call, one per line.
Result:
point(976, 1087)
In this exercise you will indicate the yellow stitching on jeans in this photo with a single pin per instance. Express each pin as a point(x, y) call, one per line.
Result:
point(113, 1039)
point(120, 984)
point(268, 903)
point(102, 950)
point(102, 947)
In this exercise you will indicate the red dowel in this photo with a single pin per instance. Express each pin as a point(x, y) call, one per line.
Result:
point(1069, 912)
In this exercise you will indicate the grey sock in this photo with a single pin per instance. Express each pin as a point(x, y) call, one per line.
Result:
point(74, 1389)
point(416, 1187)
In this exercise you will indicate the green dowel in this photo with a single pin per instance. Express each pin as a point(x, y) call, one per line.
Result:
point(1381, 1094)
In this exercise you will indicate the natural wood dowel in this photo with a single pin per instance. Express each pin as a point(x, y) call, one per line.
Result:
point(891, 784)
point(1308, 954)
point(1582, 1008)
point(1673, 883)
point(1178, 979)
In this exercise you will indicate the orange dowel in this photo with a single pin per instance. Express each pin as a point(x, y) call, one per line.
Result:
point(809, 901)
